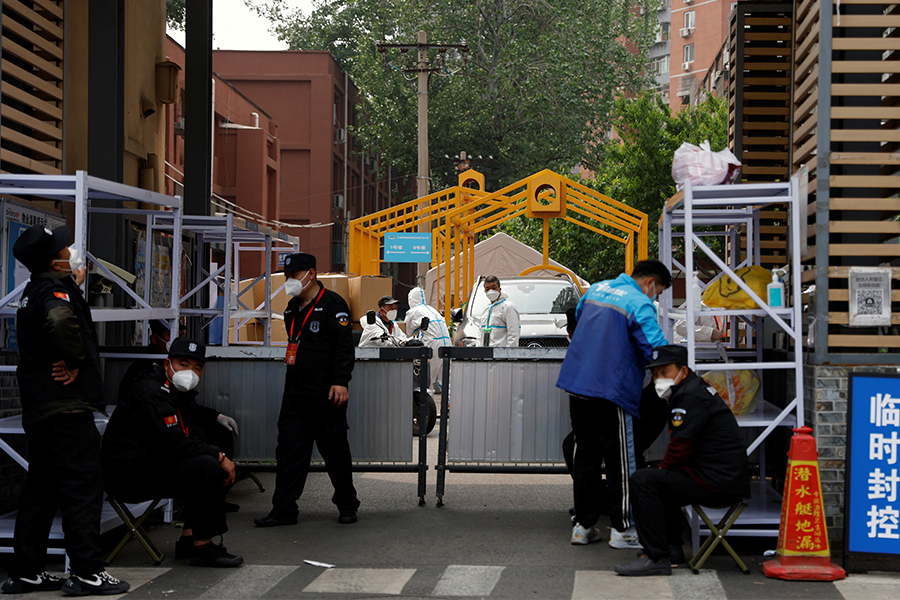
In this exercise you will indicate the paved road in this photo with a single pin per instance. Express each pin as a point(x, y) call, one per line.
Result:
point(499, 536)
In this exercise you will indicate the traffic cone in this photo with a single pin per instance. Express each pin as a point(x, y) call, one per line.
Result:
point(803, 552)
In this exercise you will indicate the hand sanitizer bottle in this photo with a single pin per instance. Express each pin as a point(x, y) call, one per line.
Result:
point(775, 291)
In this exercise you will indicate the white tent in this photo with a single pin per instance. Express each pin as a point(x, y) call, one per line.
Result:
point(499, 255)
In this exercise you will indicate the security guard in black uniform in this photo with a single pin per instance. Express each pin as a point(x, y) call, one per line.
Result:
point(60, 386)
point(150, 451)
point(705, 463)
point(319, 360)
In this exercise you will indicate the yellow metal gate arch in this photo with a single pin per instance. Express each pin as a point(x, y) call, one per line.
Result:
point(456, 215)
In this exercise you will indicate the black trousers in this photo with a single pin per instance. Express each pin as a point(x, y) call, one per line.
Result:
point(305, 419)
point(603, 432)
point(64, 474)
point(657, 498)
point(198, 481)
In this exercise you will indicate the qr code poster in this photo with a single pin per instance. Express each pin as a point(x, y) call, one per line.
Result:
point(870, 297)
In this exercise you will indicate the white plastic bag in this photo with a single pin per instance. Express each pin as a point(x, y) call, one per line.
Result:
point(702, 166)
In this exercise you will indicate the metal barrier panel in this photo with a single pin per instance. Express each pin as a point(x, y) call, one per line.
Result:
point(507, 411)
point(248, 384)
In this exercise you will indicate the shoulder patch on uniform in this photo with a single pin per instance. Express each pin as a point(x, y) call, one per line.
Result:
point(711, 390)
point(678, 415)
point(62, 296)
point(171, 420)
point(343, 318)
point(23, 302)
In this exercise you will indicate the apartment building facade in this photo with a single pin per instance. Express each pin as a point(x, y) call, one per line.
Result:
point(698, 30)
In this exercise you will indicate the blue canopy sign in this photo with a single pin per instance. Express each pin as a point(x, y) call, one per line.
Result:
point(407, 247)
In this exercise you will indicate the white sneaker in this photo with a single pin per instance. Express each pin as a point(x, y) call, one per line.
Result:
point(583, 536)
point(625, 539)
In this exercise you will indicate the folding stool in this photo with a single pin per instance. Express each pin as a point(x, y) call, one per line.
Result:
point(717, 536)
point(135, 529)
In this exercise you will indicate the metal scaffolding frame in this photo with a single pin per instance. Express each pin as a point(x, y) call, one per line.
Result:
point(233, 235)
point(727, 208)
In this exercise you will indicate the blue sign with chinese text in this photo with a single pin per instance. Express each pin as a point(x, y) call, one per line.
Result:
point(872, 506)
point(407, 247)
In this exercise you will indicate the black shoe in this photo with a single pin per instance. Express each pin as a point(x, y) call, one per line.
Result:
point(644, 565)
point(184, 547)
point(231, 507)
point(273, 520)
point(347, 516)
point(99, 584)
point(214, 555)
point(676, 555)
point(42, 582)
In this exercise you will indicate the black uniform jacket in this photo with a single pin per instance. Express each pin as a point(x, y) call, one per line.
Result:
point(151, 427)
point(705, 439)
point(325, 354)
point(54, 323)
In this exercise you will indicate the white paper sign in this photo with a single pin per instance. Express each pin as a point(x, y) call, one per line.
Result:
point(870, 297)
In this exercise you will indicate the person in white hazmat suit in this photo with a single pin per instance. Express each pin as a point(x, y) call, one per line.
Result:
point(500, 320)
point(382, 332)
point(434, 336)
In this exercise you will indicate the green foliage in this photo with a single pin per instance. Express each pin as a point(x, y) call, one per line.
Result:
point(175, 14)
point(635, 168)
point(537, 84)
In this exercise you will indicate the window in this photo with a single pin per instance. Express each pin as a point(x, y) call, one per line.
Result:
point(664, 30)
point(689, 53)
point(664, 64)
point(689, 19)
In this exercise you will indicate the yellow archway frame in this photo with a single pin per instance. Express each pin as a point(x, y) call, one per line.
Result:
point(455, 216)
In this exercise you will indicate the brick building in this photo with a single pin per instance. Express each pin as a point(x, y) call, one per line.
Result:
point(698, 29)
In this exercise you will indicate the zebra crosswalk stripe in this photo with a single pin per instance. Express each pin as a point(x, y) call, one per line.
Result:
point(361, 581)
point(591, 585)
point(249, 581)
point(467, 580)
point(703, 586)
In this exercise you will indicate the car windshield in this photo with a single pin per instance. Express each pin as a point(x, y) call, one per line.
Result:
point(532, 297)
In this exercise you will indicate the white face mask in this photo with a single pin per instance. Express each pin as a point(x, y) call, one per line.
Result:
point(185, 380)
point(652, 295)
point(492, 295)
point(391, 315)
point(294, 287)
point(664, 386)
point(75, 262)
point(168, 345)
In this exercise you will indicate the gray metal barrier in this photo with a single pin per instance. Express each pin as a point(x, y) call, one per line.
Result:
point(508, 416)
point(247, 383)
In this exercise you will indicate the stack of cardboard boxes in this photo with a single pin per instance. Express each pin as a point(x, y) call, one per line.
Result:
point(361, 293)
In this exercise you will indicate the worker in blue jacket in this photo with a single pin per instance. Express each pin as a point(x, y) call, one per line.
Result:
point(604, 374)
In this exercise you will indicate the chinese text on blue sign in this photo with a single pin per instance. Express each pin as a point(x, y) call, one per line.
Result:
point(873, 511)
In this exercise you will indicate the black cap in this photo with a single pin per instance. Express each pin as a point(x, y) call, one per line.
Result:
point(184, 347)
point(38, 244)
point(386, 300)
point(673, 354)
point(299, 262)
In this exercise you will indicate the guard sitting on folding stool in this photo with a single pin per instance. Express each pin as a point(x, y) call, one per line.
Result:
point(150, 452)
point(705, 463)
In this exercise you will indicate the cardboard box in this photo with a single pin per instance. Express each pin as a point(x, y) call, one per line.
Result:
point(364, 294)
point(339, 283)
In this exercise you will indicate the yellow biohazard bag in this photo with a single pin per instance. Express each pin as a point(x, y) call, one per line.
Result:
point(725, 293)
point(739, 389)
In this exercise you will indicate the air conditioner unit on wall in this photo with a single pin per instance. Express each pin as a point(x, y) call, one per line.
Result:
point(338, 202)
point(340, 135)
point(685, 66)
point(688, 1)
point(686, 31)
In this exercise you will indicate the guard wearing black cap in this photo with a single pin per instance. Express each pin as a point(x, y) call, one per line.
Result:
point(151, 449)
point(60, 386)
point(319, 361)
point(705, 463)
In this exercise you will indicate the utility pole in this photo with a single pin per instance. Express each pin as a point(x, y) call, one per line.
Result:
point(422, 69)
